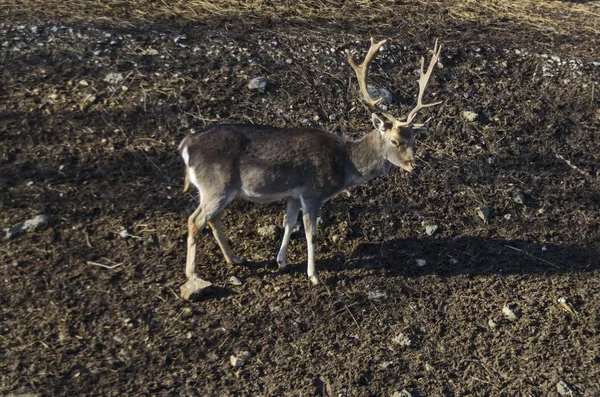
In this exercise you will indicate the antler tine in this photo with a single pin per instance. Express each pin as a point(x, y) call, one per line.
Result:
point(423, 81)
point(362, 71)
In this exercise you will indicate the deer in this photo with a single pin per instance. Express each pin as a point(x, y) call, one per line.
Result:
point(305, 166)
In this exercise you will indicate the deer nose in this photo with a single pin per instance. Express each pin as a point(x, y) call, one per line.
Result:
point(409, 165)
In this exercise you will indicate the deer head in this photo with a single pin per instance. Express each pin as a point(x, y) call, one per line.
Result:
point(397, 136)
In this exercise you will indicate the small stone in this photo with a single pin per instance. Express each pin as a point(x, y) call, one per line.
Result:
point(194, 288)
point(269, 231)
point(40, 222)
point(402, 340)
point(509, 313)
point(124, 233)
point(386, 365)
point(379, 92)
point(258, 84)
point(236, 361)
point(402, 393)
point(420, 262)
point(453, 261)
point(430, 229)
point(375, 295)
point(519, 198)
point(244, 355)
point(483, 213)
point(114, 78)
point(469, 116)
point(563, 389)
point(492, 324)
point(84, 83)
point(233, 280)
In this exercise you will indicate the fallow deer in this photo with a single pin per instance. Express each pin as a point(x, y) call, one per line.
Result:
point(305, 166)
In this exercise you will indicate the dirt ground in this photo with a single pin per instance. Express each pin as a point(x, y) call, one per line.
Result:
point(94, 99)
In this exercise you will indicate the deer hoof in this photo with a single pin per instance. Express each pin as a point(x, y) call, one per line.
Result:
point(282, 266)
point(314, 280)
point(236, 260)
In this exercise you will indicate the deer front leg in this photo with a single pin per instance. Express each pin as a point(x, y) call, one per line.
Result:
point(289, 221)
point(310, 211)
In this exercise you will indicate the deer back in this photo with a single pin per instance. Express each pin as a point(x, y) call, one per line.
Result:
point(268, 162)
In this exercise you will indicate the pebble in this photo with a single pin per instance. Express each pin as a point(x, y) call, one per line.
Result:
point(483, 213)
point(402, 393)
point(38, 223)
point(402, 340)
point(519, 198)
point(375, 295)
point(469, 116)
point(114, 78)
point(563, 389)
point(194, 288)
point(236, 361)
point(258, 84)
point(379, 92)
point(235, 281)
point(509, 313)
point(430, 229)
point(420, 262)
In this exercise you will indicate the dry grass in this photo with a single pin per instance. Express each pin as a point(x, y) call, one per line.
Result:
point(558, 17)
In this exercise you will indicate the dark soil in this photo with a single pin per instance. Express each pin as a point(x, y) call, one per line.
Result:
point(98, 158)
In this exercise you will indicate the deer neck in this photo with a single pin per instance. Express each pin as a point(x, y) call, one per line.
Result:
point(368, 161)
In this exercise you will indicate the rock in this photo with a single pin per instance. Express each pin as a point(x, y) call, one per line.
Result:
point(235, 281)
point(509, 313)
point(258, 84)
point(244, 355)
point(563, 389)
point(483, 213)
point(236, 361)
point(420, 262)
point(492, 324)
point(379, 92)
point(83, 83)
point(269, 231)
point(402, 340)
point(469, 116)
point(453, 261)
point(194, 288)
point(402, 393)
point(335, 239)
point(386, 365)
point(430, 229)
point(40, 222)
point(114, 78)
point(375, 295)
point(519, 198)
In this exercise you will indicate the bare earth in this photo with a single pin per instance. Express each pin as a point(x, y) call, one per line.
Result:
point(88, 309)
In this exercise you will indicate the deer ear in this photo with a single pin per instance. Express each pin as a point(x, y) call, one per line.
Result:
point(378, 123)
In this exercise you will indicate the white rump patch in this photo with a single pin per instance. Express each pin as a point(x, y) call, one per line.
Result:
point(186, 157)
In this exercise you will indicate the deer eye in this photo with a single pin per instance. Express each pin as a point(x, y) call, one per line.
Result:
point(395, 142)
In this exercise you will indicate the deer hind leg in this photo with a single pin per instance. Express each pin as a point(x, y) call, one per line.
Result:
point(209, 209)
point(289, 221)
point(217, 230)
point(310, 211)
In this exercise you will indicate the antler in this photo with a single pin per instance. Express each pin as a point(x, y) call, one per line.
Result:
point(362, 72)
point(423, 80)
